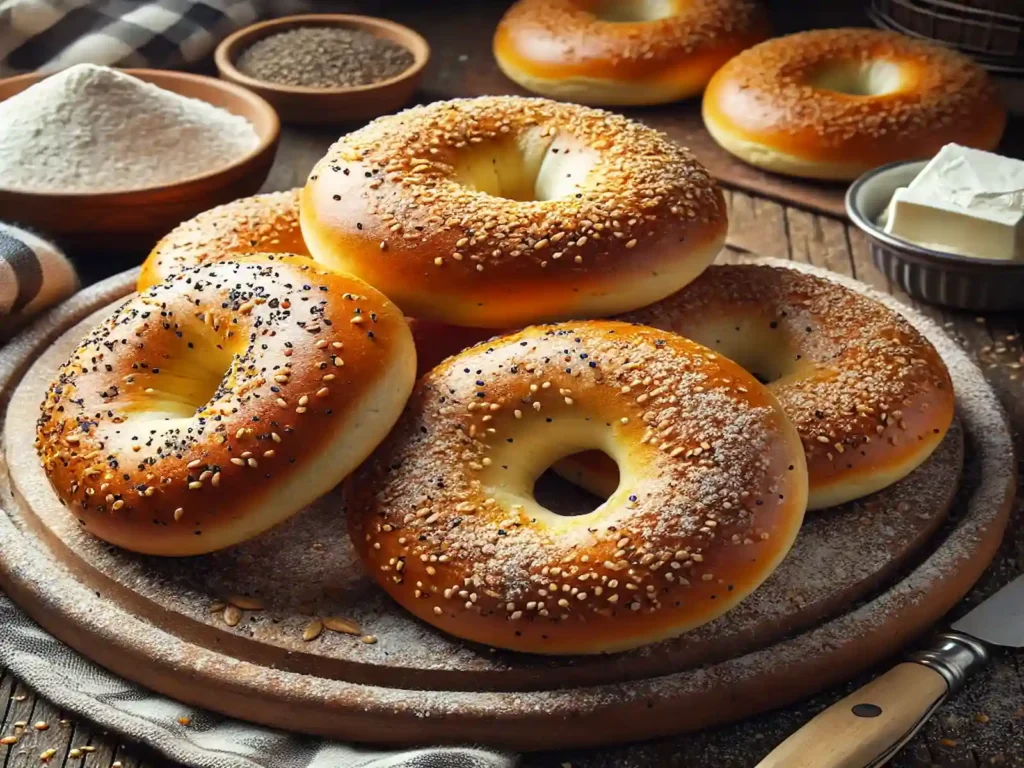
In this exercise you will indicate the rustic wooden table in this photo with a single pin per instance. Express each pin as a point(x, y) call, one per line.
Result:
point(982, 726)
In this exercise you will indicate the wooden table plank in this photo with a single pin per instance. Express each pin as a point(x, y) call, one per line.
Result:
point(33, 743)
point(104, 744)
point(757, 225)
point(819, 240)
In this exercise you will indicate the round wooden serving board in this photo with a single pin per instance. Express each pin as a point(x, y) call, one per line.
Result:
point(862, 580)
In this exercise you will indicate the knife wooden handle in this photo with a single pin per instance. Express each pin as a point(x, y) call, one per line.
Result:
point(867, 727)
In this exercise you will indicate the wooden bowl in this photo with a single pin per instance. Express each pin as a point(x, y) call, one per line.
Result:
point(133, 219)
point(301, 104)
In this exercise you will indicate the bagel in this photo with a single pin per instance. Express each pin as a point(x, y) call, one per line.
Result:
point(211, 407)
point(261, 224)
point(501, 211)
point(617, 52)
point(713, 490)
point(834, 103)
point(868, 394)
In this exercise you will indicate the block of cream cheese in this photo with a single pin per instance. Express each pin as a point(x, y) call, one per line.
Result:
point(964, 201)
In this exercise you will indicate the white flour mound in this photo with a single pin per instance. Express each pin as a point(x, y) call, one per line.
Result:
point(94, 129)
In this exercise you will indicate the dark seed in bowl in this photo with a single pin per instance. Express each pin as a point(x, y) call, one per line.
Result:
point(324, 57)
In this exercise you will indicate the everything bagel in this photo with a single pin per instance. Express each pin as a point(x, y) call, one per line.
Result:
point(207, 409)
point(713, 490)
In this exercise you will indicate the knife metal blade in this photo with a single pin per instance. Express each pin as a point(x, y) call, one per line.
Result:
point(1000, 619)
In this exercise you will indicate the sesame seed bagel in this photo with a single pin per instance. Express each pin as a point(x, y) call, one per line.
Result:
point(712, 495)
point(868, 394)
point(260, 224)
point(834, 103)
point(209, 408)
point(501, 211)
point(620, 52)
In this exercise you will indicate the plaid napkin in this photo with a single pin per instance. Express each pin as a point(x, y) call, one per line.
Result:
point(34, 275)
point(49, 35)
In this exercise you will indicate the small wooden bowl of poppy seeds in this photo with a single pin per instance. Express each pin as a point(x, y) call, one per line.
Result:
point(326, 68)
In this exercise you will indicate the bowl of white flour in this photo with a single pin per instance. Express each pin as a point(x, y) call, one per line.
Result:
point(113, 159)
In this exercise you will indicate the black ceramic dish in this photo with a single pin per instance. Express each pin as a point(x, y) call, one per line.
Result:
point(980, 285)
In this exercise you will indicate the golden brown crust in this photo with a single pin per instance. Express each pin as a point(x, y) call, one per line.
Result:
point(260, 224)
point(713, 494)
point(765, 99)
point(869, 395)
point(633, 216)
point(563, 48)
point(436, 342)
point(209, 408)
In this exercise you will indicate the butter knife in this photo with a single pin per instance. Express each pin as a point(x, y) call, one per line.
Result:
point(868, 727)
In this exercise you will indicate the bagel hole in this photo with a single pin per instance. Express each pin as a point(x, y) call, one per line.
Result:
point(529, 167)
point(566, 492)
point(869, 78)
point(633, 11)
point(761, 346)
point(196, 366)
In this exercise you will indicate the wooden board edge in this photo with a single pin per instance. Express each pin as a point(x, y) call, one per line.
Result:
point(604, 715)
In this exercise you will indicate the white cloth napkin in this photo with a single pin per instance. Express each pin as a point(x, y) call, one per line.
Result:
point(77, 685)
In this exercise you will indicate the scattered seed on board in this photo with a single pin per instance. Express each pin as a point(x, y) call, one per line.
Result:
point(8, 741)
point(246, 603)
point(41, 726)
point(338, 624)
point(47, 755)
point(232, 615)
point(313, 631)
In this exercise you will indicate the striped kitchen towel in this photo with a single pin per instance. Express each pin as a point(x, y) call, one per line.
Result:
point(34, 275)
point(49, 35)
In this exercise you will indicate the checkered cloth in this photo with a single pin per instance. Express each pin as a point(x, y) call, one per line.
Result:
point(49, 35)
point(34, 275)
